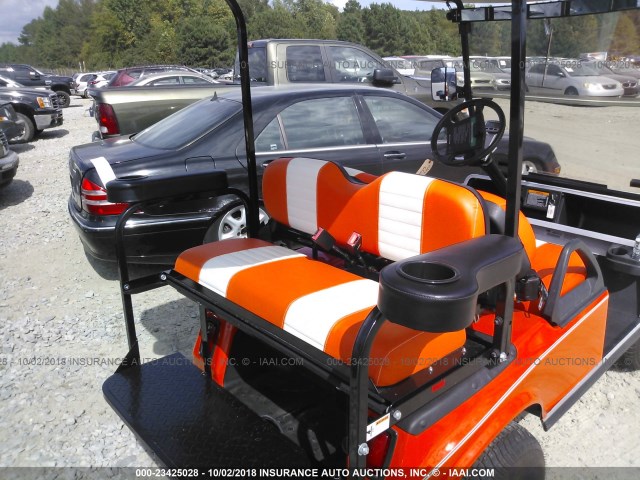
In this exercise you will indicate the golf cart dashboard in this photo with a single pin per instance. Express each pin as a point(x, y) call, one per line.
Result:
point(560, 209)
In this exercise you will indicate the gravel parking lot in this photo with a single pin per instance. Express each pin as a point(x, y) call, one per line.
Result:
point(62, 334)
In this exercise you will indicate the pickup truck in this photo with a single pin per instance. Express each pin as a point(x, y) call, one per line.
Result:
point(8, 159)
point(36, 110)
point(29, 77)
point(127, 110)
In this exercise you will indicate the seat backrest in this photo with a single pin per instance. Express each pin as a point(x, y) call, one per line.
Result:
point(497, 207)
point(305, 193)
point(400, 215)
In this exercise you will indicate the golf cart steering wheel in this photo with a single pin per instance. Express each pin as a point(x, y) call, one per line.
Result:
point(466, 137)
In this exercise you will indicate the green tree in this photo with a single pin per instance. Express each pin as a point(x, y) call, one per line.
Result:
point(626, 37)
point(573, 36)
point(421, 39)
point(318, 18)
point(276, 22)
point(109, 41)
point(444, 33)
point(202, 42)
point(350, 27)
point(385, 31)
point(10, 52)
point(491, 38)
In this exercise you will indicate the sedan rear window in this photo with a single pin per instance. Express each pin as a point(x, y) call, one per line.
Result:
point(188, 124)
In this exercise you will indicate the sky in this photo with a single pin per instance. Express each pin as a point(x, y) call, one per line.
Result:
point(17, 13)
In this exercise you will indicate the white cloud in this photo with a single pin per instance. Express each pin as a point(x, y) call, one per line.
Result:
point(339, 3)
point(17, 13)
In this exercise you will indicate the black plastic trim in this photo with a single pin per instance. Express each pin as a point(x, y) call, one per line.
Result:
point(561, 309)
point(430, 413)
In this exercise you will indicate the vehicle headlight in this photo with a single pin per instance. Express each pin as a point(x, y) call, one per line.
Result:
point(44, 102)
point(592, 86)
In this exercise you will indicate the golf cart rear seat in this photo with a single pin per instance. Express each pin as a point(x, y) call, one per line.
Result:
point(398, 216)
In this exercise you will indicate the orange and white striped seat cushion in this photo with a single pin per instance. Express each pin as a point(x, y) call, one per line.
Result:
point(320, 304)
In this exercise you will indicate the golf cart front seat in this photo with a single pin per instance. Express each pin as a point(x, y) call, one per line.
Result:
point(398, 215)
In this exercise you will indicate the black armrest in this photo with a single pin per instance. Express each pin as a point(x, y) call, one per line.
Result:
point(143, 188)
point(561, 309)
point(438, 291)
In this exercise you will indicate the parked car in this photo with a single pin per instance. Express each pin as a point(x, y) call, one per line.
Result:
point(425, 65)
point(570, 77)
point(629, 84)
point(173, 78)
point(403, 66)
point(366, 128)
point(481, 81)
point(7, 82)
point(79, 85)
point(8, 158)
point(486, 65)
point(125, 76)
point(31, 77)
point(35, 109)
point(272, 62)
point(101, 81)
point(503, 63)
point(222, 74)
point(625, 68)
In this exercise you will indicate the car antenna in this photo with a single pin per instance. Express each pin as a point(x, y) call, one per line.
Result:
point(215, 96)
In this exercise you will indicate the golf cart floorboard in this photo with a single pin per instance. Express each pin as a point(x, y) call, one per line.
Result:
point(188, 421)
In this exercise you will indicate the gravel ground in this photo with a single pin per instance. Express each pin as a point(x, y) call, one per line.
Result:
point(63, 332)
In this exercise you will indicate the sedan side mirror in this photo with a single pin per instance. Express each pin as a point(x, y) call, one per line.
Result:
point(444, 84)
point(384, 76)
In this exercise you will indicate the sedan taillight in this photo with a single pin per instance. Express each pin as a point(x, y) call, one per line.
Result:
point(94, 200)
point(107, 119)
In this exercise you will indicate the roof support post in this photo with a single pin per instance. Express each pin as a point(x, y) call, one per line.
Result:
point(245, 80)
point(516, 114)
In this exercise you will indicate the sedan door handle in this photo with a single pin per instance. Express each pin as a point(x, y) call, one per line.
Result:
point(266, 163)
point(395, 155)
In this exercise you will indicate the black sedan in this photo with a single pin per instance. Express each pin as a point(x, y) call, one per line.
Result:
point(364, 128)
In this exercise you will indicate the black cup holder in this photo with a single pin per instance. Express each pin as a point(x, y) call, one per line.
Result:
point(429, 272)
point(620, 259)
point(619, 251)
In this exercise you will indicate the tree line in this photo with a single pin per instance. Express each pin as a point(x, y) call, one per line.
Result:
point(101, 34)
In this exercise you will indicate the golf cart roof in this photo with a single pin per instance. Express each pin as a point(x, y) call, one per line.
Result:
point(501, 10)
